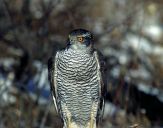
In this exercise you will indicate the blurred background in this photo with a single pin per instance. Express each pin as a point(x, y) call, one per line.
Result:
point(128, 33)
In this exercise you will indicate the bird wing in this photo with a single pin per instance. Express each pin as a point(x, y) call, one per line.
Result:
point(103, 81)
point(52, 78)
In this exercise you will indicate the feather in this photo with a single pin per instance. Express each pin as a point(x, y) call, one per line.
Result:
point(51, 77)
point(103, 83)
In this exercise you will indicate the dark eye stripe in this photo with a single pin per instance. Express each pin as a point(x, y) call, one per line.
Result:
point(87, 42)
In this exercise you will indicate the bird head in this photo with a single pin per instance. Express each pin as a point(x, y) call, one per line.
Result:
point(80, 39)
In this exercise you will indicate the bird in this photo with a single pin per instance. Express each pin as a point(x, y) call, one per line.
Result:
point(78, 81)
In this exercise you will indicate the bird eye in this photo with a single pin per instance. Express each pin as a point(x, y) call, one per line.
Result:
point(80, 39)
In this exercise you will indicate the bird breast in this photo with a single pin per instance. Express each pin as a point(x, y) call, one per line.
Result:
point(77, 67)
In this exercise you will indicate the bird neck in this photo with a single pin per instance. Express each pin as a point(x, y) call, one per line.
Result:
point(85, 50)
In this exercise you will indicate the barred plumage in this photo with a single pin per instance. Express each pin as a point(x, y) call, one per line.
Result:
point(77, 85)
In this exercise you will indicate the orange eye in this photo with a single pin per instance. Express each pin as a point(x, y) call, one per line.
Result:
point(80, 39)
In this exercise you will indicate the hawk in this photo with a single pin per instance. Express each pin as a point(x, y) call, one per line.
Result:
point(78, 86)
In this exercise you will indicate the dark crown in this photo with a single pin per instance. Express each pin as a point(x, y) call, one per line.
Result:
point(81, 32)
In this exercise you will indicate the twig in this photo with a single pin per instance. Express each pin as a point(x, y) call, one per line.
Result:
point(45, 115)
point(134, 126)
